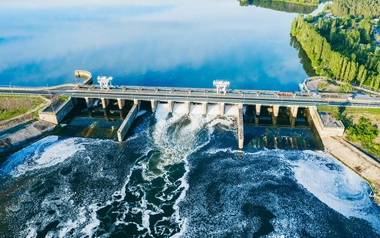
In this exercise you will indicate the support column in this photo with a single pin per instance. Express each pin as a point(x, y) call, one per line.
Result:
point(293, 115)
point(187, 104)
point(257, 114)
point(120, 103)
point(221, 108)
point(89, 101)
point(275, 109)
point(153, 105)
point(294, 111)
point(105, 115)
point(170, 104)
point(258, 109)
point(204, 105)
point(105, 102)
point(137, 102)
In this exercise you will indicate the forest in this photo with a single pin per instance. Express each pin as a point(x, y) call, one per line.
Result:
point(370, 8)
point(295, 6)
point(340, 48)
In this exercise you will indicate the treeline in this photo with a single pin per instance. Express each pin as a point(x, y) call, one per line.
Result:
point(337, 48)
point(294, 6)
point(369, 8)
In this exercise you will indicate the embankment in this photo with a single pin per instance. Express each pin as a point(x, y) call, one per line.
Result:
point(359, 162)
point(14, 140)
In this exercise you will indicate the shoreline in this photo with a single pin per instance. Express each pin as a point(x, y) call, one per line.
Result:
point(357, 161)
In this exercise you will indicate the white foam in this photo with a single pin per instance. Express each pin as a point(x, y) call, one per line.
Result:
point(47, 154)
point(213, 109)
point(93, 223)
point(180, 108)
point(231, 110)
point(196, 109)
point(162, 110)
point(334, 184)
point(21, 156)
point(140, 113)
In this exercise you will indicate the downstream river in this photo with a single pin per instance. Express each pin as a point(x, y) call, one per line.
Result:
point(176, 176)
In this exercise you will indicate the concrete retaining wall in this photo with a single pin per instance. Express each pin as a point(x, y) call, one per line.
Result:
point(323, 130)
point(240, 128)
point(58, 115)
point(124, 127)
point(13, 141)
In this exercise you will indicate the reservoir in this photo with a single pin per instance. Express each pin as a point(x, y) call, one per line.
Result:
point(178, 175)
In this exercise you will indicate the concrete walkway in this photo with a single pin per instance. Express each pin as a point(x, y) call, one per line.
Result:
point(359, 162)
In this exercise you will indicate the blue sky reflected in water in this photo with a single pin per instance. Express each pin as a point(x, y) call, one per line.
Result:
point(160, 43)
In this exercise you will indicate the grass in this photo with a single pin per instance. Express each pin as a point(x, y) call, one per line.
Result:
point(348, 115)
point(350, 109)
point(5, 115)
point(324, 108)
point(63, 98)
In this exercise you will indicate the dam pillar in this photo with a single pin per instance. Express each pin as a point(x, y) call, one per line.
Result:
point(257, 115)
point(187, 104)
point(153, 105)
point(120, 103)
point(204, 108)
point(293, 115)
point(275, 109)
point(89, 101)
point(240, 133)
point(105, 102)
point(137, 102)
point(221, 108)
point(170, 104)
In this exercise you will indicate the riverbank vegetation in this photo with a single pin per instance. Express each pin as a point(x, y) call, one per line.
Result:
point(340, 48)
point(369, 8)
point(295, 6)
point(362, 126)
point(11, 106)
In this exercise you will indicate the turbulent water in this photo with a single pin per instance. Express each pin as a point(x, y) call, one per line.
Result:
point(180, 176)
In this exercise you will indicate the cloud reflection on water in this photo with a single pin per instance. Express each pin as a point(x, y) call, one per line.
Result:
point(147, 42)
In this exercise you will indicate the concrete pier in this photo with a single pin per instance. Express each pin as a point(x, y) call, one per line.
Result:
point(240, 133)
point(153, 105)
point(105, 102)
point(293, 115)
point(221, 108)
point(294, 111)
point(170, 106)
point(89, 101)
point(188, 105)
point(204, 107)
point(121, 103)
point(124, 127)
point(275, 109)
point(258, 109)
point(138, 102)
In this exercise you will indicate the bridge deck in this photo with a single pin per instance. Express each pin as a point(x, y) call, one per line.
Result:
point(209, 95)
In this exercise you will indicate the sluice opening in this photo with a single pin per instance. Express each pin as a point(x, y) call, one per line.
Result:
point(267, 128)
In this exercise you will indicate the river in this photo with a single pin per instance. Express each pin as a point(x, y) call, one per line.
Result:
point(179, 176)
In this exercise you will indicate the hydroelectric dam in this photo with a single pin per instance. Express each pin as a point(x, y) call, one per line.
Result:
point(219, 100)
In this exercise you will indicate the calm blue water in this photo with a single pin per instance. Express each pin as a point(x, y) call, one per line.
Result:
point(161, 43)
point(178, 176)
